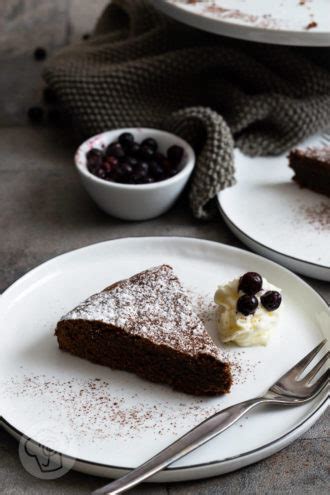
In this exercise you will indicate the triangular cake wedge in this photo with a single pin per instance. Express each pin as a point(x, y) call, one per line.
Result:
point(146, 324)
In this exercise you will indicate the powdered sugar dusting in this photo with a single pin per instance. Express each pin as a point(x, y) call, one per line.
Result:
point(153, 305)
point(319, 154)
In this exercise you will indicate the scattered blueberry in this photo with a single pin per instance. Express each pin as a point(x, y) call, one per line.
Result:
point(247, 305)
point(35, 114)
point(40, 53)
point(271, 300)
point(129, 162)
point(250, 283)
point(49, 96)
point(175, 154)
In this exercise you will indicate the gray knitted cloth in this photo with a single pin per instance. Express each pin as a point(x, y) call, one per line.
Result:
point(142, 69)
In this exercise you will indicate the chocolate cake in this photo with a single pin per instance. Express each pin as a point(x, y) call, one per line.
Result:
point(312, 168)
point(146, 325)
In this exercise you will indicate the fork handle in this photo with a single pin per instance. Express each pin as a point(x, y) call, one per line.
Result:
point(196, 437)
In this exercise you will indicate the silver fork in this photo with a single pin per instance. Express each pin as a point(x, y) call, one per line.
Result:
point(289, 390)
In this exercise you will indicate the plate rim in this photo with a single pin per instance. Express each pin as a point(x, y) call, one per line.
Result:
point(228, 247)
point(259, 34)
point(315, 413)
point(289, 256)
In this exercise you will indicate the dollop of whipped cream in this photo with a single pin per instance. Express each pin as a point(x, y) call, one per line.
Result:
point(244, 330)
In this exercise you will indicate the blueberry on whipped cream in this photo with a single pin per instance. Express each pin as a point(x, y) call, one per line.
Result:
point(249, 308)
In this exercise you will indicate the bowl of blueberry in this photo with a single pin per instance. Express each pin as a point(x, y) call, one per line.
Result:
point(135, 173)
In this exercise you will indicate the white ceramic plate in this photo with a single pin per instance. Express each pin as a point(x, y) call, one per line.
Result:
point(278, 22)
point(112, 420)
point(272, 215)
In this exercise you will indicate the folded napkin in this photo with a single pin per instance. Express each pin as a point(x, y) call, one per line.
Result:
point(141, 68)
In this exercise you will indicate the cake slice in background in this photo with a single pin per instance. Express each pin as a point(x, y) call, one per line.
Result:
point(146, 324)
point(312, 168)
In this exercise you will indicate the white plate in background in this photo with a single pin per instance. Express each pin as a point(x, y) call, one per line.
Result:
point(277, 22)
point(276, 218)
point(112, 421)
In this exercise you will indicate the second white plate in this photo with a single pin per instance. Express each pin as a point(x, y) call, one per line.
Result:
point(305, 23)
point(272, 215)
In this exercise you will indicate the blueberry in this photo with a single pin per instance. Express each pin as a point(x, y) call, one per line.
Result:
point(148, 180)
point(125, 168)
point(159, 157)
point(250, 283)
point(40, 53)
point(132, 161)
point(141, 172)
point(156, 170)
point(271, 300)
point(94, 159)
point(123, 173)
point(110, 164)
point(175, 154)
point(247, 305)
point(49, 96)
point(126, 139)
point(116, 150)
point(35, 114)
point(101, 173)
point(94, 154)
point(112, 160)
point(150, 143)
point(85, 36)
point(143, 167)
point(134, 150)
point(146, 152)
point(173, 172)
point(169, 169)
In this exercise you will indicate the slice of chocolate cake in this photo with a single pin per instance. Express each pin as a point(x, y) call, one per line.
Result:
point(312, 168)
point(146, 325)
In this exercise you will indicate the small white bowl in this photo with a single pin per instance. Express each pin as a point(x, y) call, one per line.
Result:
point(140, 201)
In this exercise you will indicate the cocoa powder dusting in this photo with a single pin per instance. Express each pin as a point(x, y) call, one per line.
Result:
point(318, 216)
point(101, 409)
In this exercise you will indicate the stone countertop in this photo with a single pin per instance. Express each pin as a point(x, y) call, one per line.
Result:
point(44, 211)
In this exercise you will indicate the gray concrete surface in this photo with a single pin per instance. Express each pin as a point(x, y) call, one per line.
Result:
point(44, 212)
point(25, 25)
